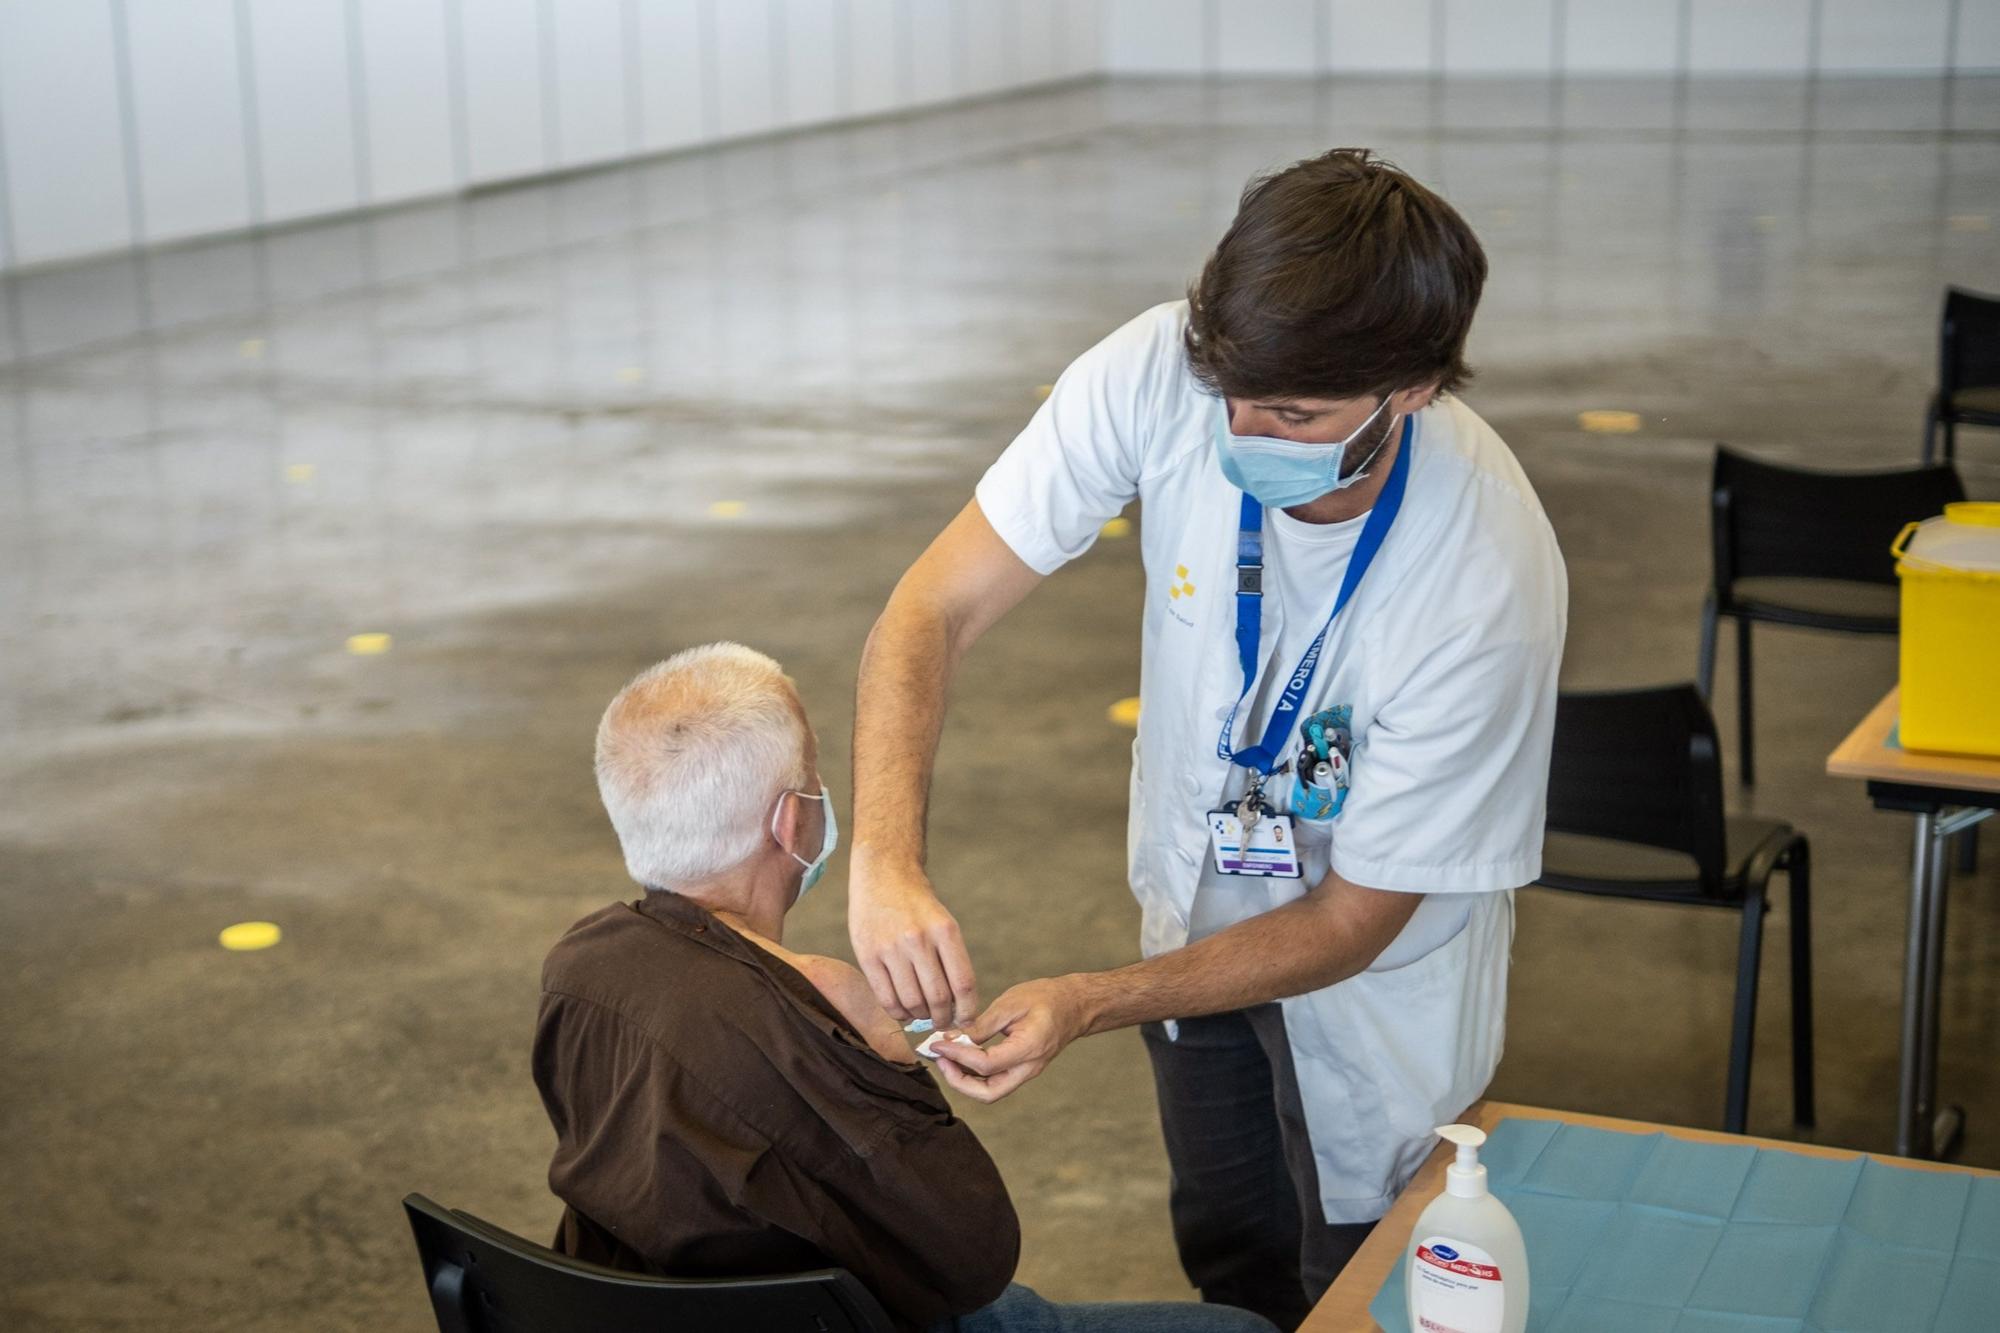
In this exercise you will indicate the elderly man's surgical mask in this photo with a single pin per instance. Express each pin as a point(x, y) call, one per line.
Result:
point(828, 841)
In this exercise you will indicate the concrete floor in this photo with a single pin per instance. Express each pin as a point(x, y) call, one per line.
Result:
point(495, 429)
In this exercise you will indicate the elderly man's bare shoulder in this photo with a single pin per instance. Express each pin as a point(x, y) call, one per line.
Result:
point(848, 991)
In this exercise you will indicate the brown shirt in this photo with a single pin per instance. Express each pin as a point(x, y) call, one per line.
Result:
point(715, 1116)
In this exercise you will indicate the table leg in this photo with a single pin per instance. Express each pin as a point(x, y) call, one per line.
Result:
point(1938, 868)
point(1945, 1124)
point(1913, 1116)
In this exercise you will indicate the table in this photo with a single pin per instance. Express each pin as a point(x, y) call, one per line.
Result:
point(1948, 794)
point(1344, 1308)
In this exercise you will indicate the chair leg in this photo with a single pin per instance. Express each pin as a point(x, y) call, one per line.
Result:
point(1950, 440)
point(1736, 1109)
point(1930, 431)
point(1746, 737)
point(1968, 851)
point(1705, 668)
point(1798, 871)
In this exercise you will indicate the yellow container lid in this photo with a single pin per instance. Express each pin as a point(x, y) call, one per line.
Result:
point(1973, 513)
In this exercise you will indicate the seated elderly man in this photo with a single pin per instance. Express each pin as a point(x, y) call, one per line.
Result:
point(724, 1106)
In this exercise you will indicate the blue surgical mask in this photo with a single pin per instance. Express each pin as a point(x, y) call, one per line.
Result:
point(828, 841)
point(1282, 473)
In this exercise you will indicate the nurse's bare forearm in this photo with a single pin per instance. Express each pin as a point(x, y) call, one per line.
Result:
point(1329, 935)
point(965, 581)
point(906, 671)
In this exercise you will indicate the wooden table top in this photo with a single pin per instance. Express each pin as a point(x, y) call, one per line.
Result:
point(1866, 754)
point(1344, 1308)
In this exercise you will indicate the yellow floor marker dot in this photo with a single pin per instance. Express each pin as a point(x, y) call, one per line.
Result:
point(1117, 527)
point(1608, 423)
point(245, 936)
point(1968, 222)
point(1766, 221)
point(631, 374)
point(300, 472)
point(727, 509)
point(250, 348)
point(1044, 390)
point(367, 645)
point(1124, 713)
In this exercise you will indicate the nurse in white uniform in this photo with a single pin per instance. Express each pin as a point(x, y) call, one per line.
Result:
point(1354, 615)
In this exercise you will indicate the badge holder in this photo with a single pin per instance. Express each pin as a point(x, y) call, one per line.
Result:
point(1253, 840)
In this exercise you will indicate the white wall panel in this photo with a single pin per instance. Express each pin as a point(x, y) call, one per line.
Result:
point(1080, 35)
point(1148, 36)
point(59, 108)
point(1368, 35)
point(187, 103)
point(1618, 35)
point(305, 117)
point(1869, 35)
point(812, 45)
point(1269, 36)
point(992, 29)
point(503, 89)
point(1978, 44)
point(406, 67)
point(1736, 35)
point(672, 95)
point(874, 35)
point(932, 26)
point(589, 70)
point(1499, 36)
point(746, 91)
point(1037, 41)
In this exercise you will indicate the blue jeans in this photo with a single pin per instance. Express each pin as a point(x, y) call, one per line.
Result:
point(1020, 1310)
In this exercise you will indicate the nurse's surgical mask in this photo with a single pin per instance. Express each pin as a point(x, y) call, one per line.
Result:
point(1282, 473)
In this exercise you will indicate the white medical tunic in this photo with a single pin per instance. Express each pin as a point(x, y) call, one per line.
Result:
point(1447, 657)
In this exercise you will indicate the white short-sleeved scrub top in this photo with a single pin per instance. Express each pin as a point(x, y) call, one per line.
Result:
point(1445, 660)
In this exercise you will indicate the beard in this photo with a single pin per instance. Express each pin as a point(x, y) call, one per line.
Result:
point(1360, 451)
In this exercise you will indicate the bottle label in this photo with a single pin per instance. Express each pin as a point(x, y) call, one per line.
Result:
point(1455, 1288)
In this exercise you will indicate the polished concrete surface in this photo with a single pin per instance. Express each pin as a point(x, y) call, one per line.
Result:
point(544, 437)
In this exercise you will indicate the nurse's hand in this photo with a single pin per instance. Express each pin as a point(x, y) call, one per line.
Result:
point(1034, 1021)
point(909, 947)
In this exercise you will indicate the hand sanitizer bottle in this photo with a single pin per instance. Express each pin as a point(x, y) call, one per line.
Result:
point(1468, 1270)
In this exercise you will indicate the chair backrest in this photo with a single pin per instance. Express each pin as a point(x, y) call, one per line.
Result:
point(485, 1280)
point(1775, 520)
point(1969, 342)
point(1640, 766)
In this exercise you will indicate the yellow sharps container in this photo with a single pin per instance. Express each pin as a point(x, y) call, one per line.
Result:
point(1950, 568)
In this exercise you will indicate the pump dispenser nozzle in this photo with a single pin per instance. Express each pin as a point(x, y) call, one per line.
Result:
point(1465, 1177)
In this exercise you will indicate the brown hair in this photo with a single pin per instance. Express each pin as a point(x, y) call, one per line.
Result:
point(1341, 277)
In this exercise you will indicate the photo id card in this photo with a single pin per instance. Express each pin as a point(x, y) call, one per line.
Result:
point(1269, 852)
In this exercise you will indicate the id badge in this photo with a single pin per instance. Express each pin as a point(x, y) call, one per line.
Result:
point(1269, 852)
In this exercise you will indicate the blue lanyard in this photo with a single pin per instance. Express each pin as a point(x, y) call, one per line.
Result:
point(1263, 757)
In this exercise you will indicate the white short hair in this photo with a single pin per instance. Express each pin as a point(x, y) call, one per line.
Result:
point(691, 757)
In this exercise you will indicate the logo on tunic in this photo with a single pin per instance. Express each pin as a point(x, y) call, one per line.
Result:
point(1180, 589)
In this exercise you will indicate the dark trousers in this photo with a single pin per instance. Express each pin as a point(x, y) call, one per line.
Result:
point(1245, 1199)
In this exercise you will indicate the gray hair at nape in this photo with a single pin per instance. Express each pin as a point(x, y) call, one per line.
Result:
point(691, 758)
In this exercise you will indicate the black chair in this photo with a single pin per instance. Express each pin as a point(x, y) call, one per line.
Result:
point(1635, 811)
point(1805, 548)
point(1968, 391)
point(485, 1280)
